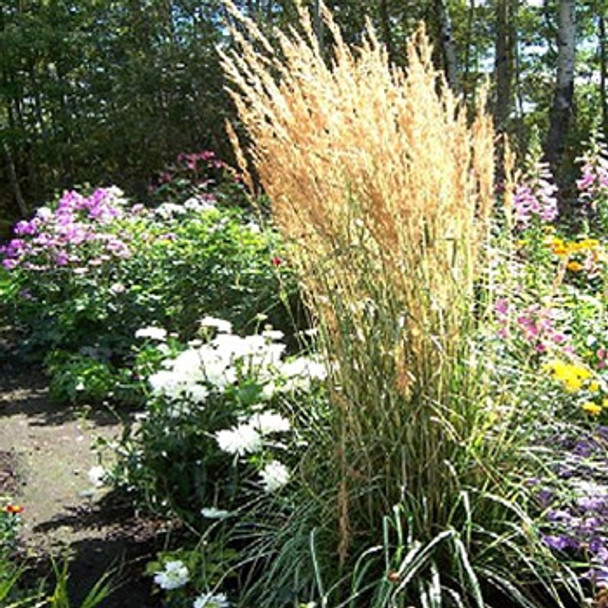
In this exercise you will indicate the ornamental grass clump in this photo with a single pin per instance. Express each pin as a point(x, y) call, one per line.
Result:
point(384, 192)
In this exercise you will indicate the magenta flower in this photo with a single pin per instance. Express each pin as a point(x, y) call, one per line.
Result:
point(10, 263)
point(502, 306)
point(25, 228)
point(535, 198)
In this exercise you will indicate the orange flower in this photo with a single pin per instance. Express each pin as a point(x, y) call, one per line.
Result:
point(574, 266)
point(14, 509)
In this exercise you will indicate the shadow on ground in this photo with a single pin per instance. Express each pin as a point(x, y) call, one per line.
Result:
point(28, 396)
point(110, 539)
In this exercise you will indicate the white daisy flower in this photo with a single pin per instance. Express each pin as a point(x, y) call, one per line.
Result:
point(269, 422)
point(153, 333)
point(174, 575)
point(220, 324)
point(274, 476)
point(239, 440)
point(210, 600)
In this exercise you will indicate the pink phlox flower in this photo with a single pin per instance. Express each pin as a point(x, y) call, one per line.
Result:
point(73, 234)
point(10, 263)
point(118, 248)
point(44, 239)
point(61, 258)
point(71, 200)
point(25, 228)
point(502, 306)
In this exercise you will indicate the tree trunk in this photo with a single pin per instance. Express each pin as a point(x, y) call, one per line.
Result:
point(318, 21)
point(503, 64)
point(385, 23)
point(470, 61)
point(12, 176)
point(602, 51)
point(447, 45)
point(563, 98)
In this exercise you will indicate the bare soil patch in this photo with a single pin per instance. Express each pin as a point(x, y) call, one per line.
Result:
point(45, 455)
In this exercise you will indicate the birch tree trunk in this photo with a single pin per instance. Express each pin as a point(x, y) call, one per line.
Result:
point(448, 48)
point(563, 99)
point(602, 53)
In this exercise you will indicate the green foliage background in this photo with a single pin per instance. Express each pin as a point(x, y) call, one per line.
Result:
point(100, 92)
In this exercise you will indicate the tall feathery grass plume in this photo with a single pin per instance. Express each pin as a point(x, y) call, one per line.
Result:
point(383, 191)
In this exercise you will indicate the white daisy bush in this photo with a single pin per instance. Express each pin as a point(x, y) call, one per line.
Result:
point(220, 426)
point(223, 431)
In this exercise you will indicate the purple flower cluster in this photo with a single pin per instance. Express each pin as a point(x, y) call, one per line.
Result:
point(593, 184)
point(56, 238)
point(577, 520)
point(195, 166)
point(206, 158)
point(535, 198)
point(535, 324)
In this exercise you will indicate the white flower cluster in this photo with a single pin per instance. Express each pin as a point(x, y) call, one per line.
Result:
point(274, 476)
point(214, 366)
point(152, 333)
point(300, 372)
point(246, 438)
point(174, 575)
point(218, 363)
point(209, 600)
point(115, 196)
point(199, 204)
point(167, 211)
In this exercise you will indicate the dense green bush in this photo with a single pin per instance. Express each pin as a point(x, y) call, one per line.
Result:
point(84, 274)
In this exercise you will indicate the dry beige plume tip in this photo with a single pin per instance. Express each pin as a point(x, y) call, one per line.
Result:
point(366, 163)
point(322, 130)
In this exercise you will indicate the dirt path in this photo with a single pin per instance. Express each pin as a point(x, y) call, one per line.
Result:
point(45, 456)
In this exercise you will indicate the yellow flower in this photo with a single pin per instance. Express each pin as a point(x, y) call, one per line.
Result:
point(593, 409)
point(572, 384)
point(560, 249)
point(594, 386)
point(589, 244)
point(571, 376)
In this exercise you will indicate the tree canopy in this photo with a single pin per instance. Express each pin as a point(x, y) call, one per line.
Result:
point(103, 92)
